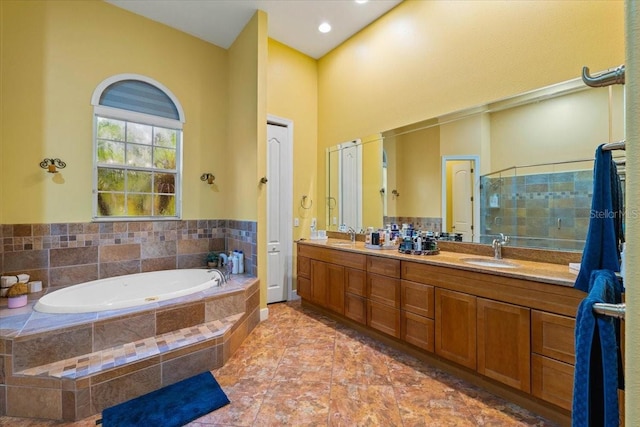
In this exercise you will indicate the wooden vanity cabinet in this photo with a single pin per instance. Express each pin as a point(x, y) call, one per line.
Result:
point(455, 327)
point(552, 358)
point(503, 339)
point(514, 331)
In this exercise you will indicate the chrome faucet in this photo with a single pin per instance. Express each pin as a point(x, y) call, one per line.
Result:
point(352, 234)
point(223, 277)
point(497, 245)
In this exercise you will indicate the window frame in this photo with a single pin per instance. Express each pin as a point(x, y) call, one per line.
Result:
point(140, 118)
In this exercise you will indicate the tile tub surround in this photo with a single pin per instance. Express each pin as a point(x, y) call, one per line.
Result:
point(71, 253)
point(68, 367)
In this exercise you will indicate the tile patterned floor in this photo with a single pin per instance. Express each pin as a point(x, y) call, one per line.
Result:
point(299, 368)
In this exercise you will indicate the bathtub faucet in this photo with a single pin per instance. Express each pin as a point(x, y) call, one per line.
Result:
point(223, 277)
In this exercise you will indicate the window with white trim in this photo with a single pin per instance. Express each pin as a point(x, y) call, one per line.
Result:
point(137, 150)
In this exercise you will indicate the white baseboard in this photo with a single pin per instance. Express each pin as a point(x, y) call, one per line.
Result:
point(264, 314)
point(294, 295)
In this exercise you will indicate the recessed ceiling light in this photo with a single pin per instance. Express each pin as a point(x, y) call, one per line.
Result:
point(361, 1)
point(325, 27)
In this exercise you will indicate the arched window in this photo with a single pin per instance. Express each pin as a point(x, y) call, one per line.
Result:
point(137, 149)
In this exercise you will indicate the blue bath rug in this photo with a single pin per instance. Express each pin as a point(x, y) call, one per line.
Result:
point(171, 406)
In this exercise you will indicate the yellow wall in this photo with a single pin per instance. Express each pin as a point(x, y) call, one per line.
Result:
point(560, 129)
point(418, 173)
point(246, 146)
point(292, 93)
point(54, 54)
point(413, 64)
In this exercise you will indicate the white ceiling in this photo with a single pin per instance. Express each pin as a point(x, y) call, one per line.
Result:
point(291, 22)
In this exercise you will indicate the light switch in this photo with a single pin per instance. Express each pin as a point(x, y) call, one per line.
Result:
point(296, 222)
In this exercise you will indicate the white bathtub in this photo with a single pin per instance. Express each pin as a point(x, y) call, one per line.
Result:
point(127, 291)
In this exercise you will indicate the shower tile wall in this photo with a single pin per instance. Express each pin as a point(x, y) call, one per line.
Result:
point(71, 253)
point(540, 209)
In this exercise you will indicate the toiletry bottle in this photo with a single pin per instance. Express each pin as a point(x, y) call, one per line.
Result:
point(234, 269)
point(229, 264)
point(240, 262)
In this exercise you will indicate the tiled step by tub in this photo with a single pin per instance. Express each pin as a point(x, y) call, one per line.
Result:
point(115, 357)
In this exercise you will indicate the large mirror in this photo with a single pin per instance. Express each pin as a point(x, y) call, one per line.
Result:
point(521, 166)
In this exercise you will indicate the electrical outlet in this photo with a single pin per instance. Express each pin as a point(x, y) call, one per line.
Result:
point(296, 222)
point(335, 220)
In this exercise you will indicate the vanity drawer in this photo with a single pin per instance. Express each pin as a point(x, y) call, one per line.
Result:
point(552, 335)
point(355, 308)
point(552, 381)
point(417, 298)
point(418, 330)
point(384, 290)
point(383, 318)
point(385, 266)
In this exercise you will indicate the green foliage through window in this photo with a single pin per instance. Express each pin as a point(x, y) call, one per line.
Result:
point(136, 169)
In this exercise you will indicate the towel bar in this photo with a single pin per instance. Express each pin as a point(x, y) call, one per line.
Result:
point(618, 145)
point(612, 310)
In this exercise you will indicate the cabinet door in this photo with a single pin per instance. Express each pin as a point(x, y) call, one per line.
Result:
point(335, 288)
point(455, 325)
point(355, 282)
point(384, 318)
point(355, 308)
point(304, 266)
point(417, 330)
point(383, 289)
point(304, 288)
point(327, 285)
point(504, 343)
point(318, 282)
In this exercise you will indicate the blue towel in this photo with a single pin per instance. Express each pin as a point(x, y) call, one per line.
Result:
point(601, 250)
point(598, 370)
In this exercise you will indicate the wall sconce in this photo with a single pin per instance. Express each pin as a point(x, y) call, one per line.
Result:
point(395, 193)
point(51, 164)
point(208, 177)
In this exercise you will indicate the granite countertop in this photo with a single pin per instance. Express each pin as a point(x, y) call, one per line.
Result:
point(544, 272)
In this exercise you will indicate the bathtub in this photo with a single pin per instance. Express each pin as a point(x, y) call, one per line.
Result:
point(128, 291)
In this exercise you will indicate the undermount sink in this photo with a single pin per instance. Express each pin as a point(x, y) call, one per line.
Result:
point(342, 244)
point(495, 263)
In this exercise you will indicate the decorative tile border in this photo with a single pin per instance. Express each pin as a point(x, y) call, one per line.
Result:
point(421, 223)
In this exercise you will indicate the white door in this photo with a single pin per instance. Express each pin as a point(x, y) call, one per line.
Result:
point(462, 203)
point(350, 184)
point(279, 190)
